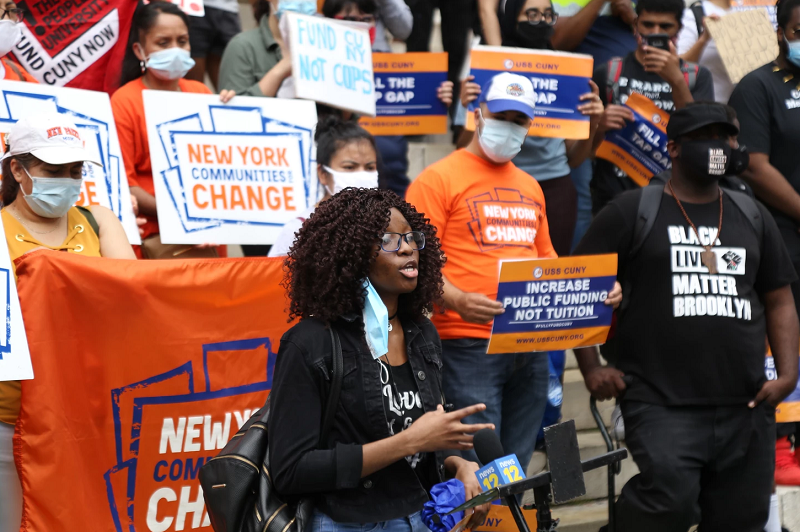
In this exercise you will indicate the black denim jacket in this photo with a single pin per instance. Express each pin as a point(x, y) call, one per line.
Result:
point(332, 475)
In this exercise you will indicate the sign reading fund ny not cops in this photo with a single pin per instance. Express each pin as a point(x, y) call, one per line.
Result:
point(332, 63)
point(91, 113)
point(406, 98)
point(553, 304)
point(559, 80)
point(229, 174)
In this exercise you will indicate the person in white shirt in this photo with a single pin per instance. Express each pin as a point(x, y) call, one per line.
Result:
point(346, 157)
point(699, 47)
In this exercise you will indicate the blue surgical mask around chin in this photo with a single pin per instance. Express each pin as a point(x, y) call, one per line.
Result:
point(793, 52)
point(376, 322)
point(52, 197)
point(501, 141)
point(170, 64)
point(304, 7)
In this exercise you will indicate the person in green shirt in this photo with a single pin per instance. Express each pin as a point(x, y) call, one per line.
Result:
point(253, 63)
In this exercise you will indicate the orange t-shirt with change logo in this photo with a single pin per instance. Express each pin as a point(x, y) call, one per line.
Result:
point(484, 213)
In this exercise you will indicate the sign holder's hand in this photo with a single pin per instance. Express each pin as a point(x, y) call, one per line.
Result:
point(445, 93)
point(593, 108)
point(614, 297)
point(226, 95)
point(469, 91)
point(477, 308)
point(615, 117)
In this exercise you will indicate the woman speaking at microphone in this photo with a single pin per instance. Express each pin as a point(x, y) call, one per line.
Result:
point(157, 58)
point(369, 265)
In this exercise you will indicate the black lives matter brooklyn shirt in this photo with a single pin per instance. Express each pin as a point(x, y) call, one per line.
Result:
point(689, 337)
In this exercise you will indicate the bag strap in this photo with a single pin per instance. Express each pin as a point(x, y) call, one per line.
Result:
point(649, 205)
point(337, 363)
point(90, 218)
point(612, 80)
point(750, 209)
point(690, 72)
point(699, 14)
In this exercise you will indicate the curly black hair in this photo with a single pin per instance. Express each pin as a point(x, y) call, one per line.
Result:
point(330, 259)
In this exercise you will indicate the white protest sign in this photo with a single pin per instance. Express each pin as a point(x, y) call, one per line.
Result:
point(332, 63)
point(15, 359)
point(232, 173)
point(194, 8)
point(91, 112)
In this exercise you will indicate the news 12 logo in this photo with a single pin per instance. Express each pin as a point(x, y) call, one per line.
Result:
point(500, 472)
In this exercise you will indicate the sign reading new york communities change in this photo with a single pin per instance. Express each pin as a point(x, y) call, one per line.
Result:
point(332, 62)
point(229, 174)
point(553, 304)
point(559, 80)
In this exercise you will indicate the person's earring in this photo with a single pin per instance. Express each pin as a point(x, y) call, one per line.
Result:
point(141, 65)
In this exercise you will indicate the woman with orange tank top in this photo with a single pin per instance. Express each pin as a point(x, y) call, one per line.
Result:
point(42, 172)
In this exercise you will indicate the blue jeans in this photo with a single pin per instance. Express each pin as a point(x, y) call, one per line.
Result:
point(322, 523)
point(513, 387)
point(581, 176)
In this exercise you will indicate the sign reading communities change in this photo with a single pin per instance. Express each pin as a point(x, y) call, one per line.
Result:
point(553, 304)
point(229, 174)
point(559, 80)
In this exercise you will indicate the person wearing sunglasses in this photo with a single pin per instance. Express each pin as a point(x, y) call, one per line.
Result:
point(368, 265)
point(10, 34)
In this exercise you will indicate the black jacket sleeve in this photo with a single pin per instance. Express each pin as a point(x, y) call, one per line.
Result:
point(298, 466)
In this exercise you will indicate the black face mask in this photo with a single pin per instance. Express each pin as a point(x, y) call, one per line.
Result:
point(740, 160)
point(535, 35)
point(705, 161)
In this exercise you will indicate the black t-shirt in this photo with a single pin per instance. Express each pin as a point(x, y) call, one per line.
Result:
point(608, 180)
point(768, 107)
point(403, 406)
point(686, 336)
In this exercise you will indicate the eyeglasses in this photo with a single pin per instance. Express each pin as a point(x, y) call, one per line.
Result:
point(535, 16)
point(367, 19)
point(16, 14)
point(391, 241)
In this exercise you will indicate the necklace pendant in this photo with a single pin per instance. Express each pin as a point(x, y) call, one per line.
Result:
point(709, 259)
point(390, 327)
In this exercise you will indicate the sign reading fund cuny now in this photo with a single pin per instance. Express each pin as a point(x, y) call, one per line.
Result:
point(553, 304)
point(229, 174)
point(640, 148)
point(559, 80)
point(406, 94)
point(332, 62)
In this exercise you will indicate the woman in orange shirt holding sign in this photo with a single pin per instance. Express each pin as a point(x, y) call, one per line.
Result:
point(157, 59)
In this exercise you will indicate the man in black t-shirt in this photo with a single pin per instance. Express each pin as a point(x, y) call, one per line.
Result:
point(768, 104)
point(708, 284)
point(660, 75)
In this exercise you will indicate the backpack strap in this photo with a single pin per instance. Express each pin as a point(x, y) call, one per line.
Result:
point(750, 209)
point(90, 218)
point(612, 79)
point(699, 14)
point(690, 72)
point(649, 205)
point(337, 370)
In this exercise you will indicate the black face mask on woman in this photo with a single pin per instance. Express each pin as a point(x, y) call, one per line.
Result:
point(705, 161)
point(535, 35)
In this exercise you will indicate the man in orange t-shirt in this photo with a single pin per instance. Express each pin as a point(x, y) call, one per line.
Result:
point(486, 210)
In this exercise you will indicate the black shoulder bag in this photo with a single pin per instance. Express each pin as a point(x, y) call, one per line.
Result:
point(239, 494)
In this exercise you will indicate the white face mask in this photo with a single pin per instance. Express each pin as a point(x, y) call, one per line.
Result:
point(10, 35)
point(343, 180)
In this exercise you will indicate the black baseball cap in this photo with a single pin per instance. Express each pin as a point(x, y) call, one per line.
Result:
point(696, 116)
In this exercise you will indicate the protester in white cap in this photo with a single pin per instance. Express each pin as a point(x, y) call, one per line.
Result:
point(487, 210)
point(42, 174)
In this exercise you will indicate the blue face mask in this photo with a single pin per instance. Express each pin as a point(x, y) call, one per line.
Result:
point(304, 7)
point(376, 322)
point(170, 64)
point(501, 141)
point(793, 55)
point(52, 197)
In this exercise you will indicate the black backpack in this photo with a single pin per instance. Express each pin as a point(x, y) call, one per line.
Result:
point(650, 203)
point(699, 15)
point(237, 486)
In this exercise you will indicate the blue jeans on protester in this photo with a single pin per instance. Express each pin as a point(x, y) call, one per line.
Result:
point(322, 523)
point(513, 387)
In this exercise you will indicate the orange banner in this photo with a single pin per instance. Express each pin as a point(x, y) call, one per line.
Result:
point(144, 370)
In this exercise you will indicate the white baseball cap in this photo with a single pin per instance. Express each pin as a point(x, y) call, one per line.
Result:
point(509, 92)
point(50, 137)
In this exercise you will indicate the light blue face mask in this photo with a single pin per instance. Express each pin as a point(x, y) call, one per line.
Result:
point(52, 197)
point(793, 55)
point(304, 7)
point(501, 141)
point(170, 64)
point(376, 322)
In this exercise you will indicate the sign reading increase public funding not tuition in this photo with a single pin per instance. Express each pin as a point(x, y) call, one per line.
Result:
point(229, 174)
point(553, 304)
